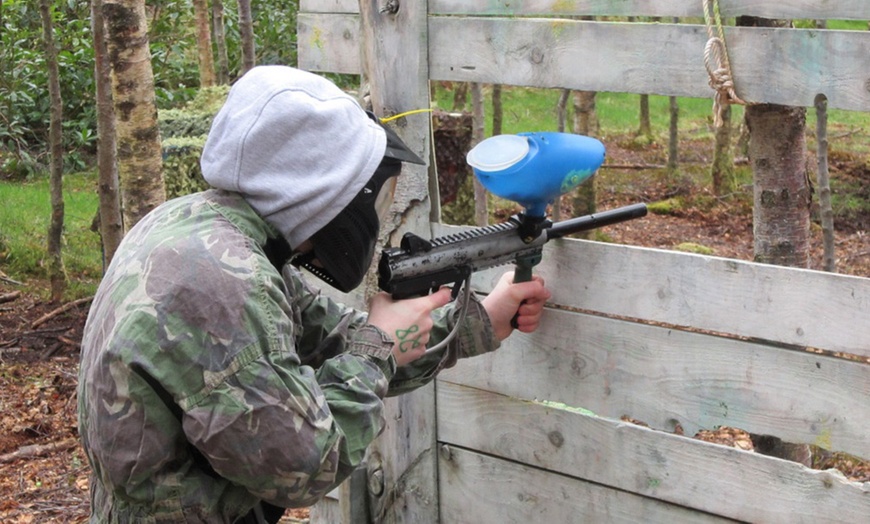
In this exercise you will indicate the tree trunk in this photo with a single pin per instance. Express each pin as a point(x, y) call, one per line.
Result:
point(222, 71)
point(782, 193)
point(481, 213)
point(645, 129)
point(781, 210)
point(140, 165)
point(203, 43)
point(826, 210)
point(561, 117)
point(111, 225)
point(585, 123)
point(585, 115)
point(722, 170)
point(562, 110)
point(497, 110)
point(55, 138)
point(673, 136)
point(246, 28)
point(460, 95)
point(777, 151)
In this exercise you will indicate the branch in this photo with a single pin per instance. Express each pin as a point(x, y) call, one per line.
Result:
point(5, 278)
point(9, 297)
point(633, 166)
point(66, 307)
point(38, 450)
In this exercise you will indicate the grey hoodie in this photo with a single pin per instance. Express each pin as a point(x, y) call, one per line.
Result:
point(295, 146)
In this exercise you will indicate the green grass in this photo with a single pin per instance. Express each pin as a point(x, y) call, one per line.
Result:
point(24, 220)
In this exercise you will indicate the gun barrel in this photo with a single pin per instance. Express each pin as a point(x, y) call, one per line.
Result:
point(596, 220)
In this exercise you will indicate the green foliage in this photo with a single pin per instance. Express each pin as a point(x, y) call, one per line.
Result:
point(665, 207)
point(184, 132)
point(24, 100)
point(181, 171)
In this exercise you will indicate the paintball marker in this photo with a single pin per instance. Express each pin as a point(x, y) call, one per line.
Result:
point(531, 169)
point(419, 266)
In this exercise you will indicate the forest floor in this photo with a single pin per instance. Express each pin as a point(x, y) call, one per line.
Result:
point(43, 470)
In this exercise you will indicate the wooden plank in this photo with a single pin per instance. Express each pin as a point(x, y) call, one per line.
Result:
point(781, 66)
point(683, 471)
point(329, 6)
point(487, 490)
point(793, 306)
point(798, 9)
point(801, 9)
point(394, 65)
point(328, 43)
point(665, 377)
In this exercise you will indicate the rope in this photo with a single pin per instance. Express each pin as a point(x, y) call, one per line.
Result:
point(717, 63)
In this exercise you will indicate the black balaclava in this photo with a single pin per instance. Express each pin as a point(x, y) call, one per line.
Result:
point(343, 249)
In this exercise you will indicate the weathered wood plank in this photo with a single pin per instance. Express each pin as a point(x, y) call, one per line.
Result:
point(664, 377)
point(707, 477)
point(329, 6)
point(486, 490)
point(781, 66)
point(787, 305)
point(328, 43)
point(394, 66)
point(799, 9)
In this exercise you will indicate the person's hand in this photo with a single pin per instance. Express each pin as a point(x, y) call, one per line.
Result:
point(508, 298)
point(409, 322)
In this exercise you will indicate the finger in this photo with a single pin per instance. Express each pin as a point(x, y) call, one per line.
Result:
point(532, 291)
point(439, 298)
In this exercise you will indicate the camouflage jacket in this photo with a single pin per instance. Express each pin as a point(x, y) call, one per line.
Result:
point(210, 381)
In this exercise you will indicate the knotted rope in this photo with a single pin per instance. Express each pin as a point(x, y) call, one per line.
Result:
point(717, 63)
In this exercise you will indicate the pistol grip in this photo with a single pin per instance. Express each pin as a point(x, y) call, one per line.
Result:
point(523, 273)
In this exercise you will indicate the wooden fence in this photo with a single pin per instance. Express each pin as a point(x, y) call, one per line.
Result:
point(662, 337)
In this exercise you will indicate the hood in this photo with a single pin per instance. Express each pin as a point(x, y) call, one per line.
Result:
point(294, 145)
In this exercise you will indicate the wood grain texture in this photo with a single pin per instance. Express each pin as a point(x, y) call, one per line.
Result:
point(780, 66)
point(666, 377)
point(679, 470)
point(487, 490)
point(787, 305)
point(800, 9)
point(395, 66)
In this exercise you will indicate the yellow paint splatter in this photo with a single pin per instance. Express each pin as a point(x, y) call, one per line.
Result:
point(317, 38)
point(824, 439)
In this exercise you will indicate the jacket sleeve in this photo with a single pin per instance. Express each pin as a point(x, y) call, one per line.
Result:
point(327, 323)
point(287, 431)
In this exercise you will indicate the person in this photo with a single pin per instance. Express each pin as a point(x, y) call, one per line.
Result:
point(216, 383)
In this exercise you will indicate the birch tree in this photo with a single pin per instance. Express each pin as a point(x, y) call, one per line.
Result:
point(140, 164)
point(781, 209)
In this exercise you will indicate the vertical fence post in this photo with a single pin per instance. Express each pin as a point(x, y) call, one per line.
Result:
point(402, 483)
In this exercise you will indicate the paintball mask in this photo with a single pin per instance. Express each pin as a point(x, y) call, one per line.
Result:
point(343, 249)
